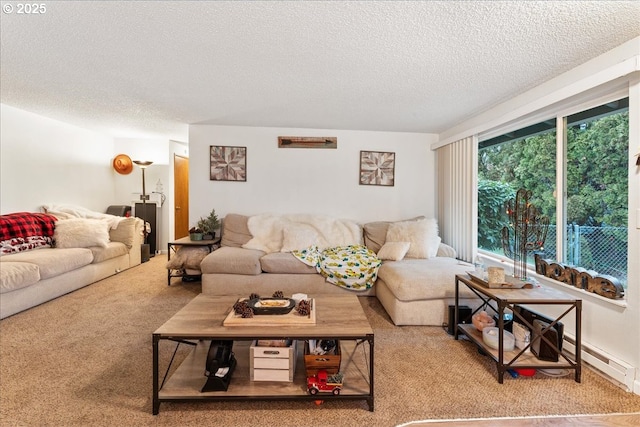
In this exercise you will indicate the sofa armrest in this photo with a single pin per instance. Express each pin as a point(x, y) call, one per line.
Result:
point(129, 232)
point(445, 250)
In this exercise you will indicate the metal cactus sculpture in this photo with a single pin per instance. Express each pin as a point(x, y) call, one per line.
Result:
point(526, 232)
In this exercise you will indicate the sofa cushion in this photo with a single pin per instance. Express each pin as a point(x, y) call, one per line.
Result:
point(17, 275)
point(232, 260)
point(113, 250)
point(375, 233)
point(81, 233)
point(394, 251)
point(285, 263)
point(424, 279)
point(235, 231)
point(446, 251)
point(188, 258)
point(422, 234)
point(52, 261)
point(124, 232)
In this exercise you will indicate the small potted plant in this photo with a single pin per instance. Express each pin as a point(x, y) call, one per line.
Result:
point(209, 225)
point(195, 233)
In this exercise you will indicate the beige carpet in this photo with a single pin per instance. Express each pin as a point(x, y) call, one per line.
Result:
point(85, 360)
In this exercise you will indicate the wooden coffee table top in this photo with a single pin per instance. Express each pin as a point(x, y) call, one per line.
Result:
point(339, 317)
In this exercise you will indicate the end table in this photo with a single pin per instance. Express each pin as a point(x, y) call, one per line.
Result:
point(186, 241)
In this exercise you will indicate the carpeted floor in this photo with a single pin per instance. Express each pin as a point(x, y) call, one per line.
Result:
point(85, 360)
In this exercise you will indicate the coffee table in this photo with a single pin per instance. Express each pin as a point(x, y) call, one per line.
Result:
point(337, 317)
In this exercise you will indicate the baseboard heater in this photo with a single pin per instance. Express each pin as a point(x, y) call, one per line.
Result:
point(618, 372)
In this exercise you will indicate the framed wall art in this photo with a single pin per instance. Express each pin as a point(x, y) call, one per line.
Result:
point(307, 142)
point(377, 168)
point(228, 163)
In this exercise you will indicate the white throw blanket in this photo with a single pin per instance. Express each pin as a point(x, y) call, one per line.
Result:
point(70, 211)
point(286, 233)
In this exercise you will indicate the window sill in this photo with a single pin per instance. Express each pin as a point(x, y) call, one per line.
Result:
point(497, 261)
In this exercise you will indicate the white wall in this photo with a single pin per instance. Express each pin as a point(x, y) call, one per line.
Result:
point(305, 180)
point(129, 187)
point(46, 161)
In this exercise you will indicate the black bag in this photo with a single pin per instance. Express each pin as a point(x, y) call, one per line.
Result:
point(541, 349)
point(220, 355)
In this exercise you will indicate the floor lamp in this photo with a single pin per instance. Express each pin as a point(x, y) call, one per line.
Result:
point(144, 197)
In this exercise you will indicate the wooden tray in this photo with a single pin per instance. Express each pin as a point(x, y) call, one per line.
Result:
point(291, 318)
point(510, 283)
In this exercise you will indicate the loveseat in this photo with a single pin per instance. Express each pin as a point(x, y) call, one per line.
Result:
point(44, 255)
point(415, 282)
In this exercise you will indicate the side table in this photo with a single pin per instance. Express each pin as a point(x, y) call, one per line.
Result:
point(186, 241)
point(508, 299)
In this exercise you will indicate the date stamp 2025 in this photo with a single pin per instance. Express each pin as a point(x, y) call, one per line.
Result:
point(24, 8)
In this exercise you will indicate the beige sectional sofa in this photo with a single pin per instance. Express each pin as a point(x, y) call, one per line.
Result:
point(34, 276)
point(413, 291)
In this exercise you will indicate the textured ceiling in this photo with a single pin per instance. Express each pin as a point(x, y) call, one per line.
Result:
point(143, 68)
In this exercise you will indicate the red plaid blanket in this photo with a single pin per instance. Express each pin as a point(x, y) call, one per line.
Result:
point(26, 224)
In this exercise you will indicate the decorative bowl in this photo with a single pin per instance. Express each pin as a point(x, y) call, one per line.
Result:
point(271, 305)
point(490, 336)
point(480, 324)
point(525, 372)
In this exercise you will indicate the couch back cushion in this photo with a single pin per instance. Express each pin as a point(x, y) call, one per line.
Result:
point(375, 234)
point(235, 230)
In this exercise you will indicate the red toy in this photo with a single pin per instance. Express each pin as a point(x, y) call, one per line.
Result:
point(324, 383)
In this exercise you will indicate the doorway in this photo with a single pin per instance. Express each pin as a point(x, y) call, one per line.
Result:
point(181, 196)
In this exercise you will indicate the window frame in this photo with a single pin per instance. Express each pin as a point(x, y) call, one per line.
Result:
point(560, 112)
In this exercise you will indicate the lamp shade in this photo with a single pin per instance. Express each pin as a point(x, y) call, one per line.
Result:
point(143, 163)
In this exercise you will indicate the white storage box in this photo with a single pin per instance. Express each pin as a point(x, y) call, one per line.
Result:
point(272, 363)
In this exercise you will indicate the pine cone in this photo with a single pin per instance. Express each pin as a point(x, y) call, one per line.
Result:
point(304, 307)
point(247, 313)
point(254, 296)
point(278, 294)
point(240, 306)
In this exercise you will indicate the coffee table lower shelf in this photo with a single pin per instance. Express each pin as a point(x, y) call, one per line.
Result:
point(188, 379)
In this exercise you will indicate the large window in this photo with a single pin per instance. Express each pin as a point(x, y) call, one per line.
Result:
point(592, 204)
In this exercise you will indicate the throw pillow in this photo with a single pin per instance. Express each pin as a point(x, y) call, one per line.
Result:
point(81, 233)
point(422, 234)
point(375, 233)
point(393, 251)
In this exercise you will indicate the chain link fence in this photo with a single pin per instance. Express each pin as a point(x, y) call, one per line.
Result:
point(603, 249)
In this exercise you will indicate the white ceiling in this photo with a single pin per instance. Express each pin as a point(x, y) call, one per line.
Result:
point(147, 69)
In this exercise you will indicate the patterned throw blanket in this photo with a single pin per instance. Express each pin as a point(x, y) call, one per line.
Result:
point(22, 231)
point(352, 267)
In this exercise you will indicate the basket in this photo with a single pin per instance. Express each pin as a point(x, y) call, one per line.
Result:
point(329, 362)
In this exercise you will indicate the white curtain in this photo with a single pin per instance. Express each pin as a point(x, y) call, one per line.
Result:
point(457, 171)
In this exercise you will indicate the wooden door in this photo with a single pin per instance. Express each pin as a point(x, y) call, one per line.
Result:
point(181, 196)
